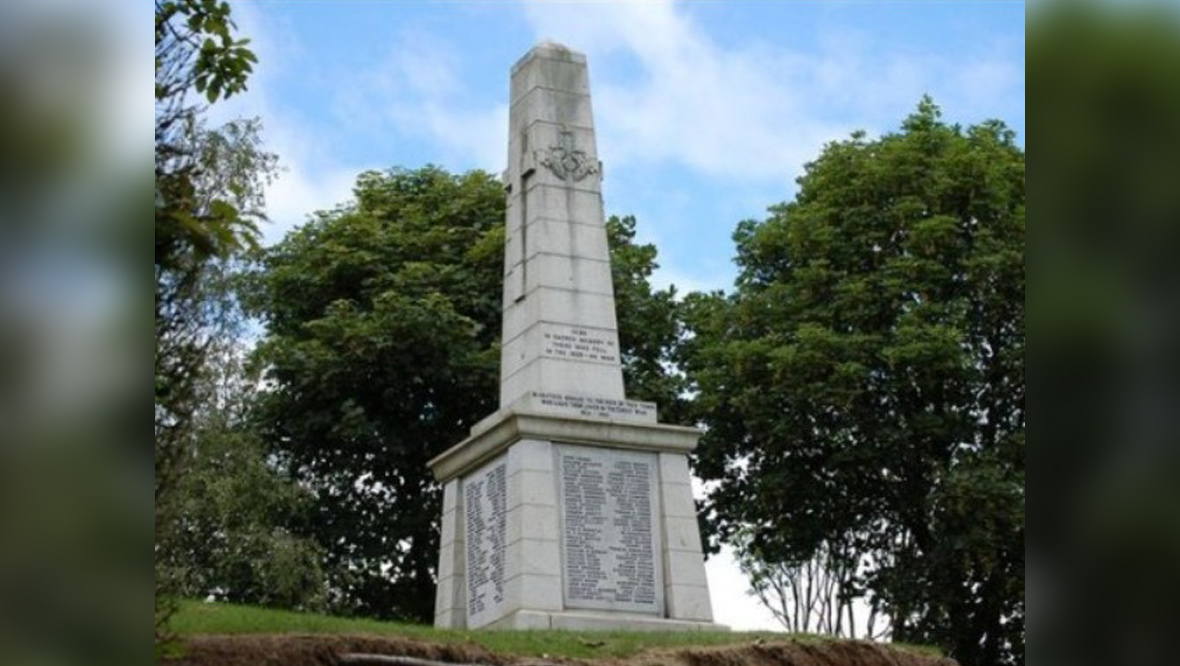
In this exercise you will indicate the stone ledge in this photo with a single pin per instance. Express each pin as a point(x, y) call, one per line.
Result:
point(496, 433)
point(583, 621)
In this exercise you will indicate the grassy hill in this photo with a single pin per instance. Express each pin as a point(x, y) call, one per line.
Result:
point(227, 634)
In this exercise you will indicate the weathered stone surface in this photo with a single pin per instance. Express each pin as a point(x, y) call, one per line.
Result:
point(558, 298)
point(485, 499)
point(610, 529)
point(504, 429)
point(450, 607)
point(600, 409)
point(571, 506)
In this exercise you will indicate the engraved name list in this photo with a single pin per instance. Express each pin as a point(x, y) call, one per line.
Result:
point(608, 529)
point(485, 496)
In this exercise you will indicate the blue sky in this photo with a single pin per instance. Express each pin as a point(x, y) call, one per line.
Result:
point(706, 112)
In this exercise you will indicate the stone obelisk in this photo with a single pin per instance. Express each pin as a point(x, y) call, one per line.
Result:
point(570, 507)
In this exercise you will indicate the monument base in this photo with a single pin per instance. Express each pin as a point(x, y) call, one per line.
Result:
point(570, 522)
point(528, 620)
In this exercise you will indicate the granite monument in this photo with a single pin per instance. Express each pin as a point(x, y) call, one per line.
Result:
point(569, 507)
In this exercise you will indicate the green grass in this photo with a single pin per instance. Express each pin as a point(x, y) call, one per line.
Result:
point(196, 617)
point(216, 618)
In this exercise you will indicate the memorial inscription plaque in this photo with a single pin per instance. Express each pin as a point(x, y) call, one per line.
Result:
point(602, 408)
point(485, 499)
point(609, 529)
point(579, 343)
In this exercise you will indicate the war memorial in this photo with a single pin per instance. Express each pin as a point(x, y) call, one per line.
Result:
point(569, 507)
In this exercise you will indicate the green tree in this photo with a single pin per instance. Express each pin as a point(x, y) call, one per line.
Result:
point(864, 385)
point(650, 325)
point(816, 596)
point(208, 186)
point(382, 350)
point(380, 353)
point(234, 534)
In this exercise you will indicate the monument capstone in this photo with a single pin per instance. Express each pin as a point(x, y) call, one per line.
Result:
point(570, 507)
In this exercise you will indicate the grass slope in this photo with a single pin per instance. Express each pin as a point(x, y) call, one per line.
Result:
point(198, 618)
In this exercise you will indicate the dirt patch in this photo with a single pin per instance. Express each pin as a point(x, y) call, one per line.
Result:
point(789, 653)
point(324, 650)
point(318, 650)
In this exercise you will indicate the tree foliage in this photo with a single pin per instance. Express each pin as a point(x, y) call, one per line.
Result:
point(864, 386)
point(650, 325)
point(208, 198)
point(382, 350)
point(380, 353)
point(206, 195)
point(234, 534)
point(816, 596)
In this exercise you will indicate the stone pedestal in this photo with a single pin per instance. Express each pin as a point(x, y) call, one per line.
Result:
point(570, 507)
point(569, 522)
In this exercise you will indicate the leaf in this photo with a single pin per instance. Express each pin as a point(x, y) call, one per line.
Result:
point(854, 375)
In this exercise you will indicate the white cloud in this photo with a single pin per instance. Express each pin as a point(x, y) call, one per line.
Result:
point(312, 176)
point(997, 74)
point(298, 192)
point(724, 113)
point(417, 91)
point(752, 113)
point(747, 116)
point(425, 65)
point(758, 111)
point(471, 138)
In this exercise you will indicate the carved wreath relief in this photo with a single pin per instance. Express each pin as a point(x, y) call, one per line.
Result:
point(567, 162)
